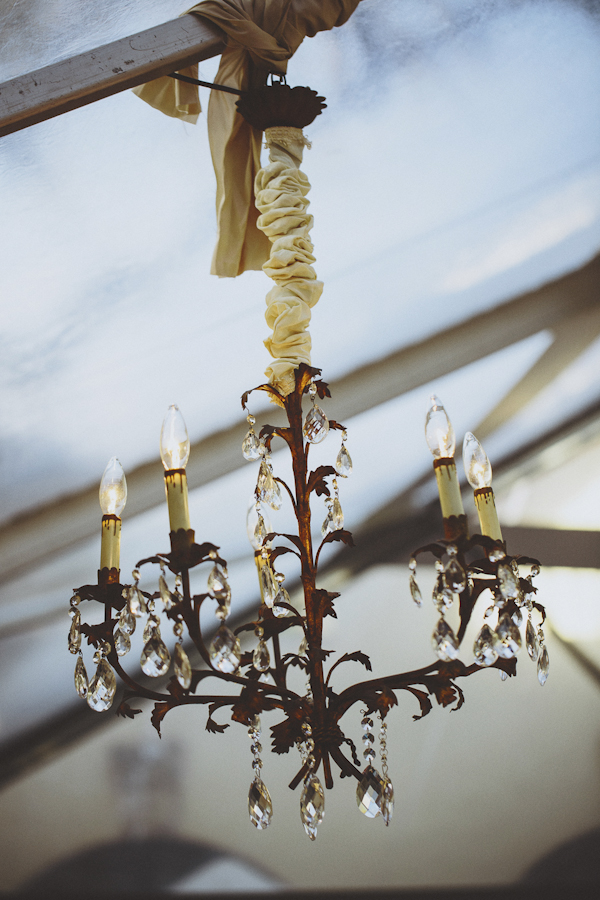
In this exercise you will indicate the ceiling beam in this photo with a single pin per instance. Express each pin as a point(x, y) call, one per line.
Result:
point(106, 70)
point(37, 535)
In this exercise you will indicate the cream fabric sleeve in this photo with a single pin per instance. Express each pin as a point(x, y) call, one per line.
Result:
point(281, 197)
point(262, 36)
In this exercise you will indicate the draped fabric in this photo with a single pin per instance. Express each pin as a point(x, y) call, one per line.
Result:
point(262, 36)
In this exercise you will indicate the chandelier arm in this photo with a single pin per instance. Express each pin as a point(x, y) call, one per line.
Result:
point(347, 768)
point(138, 689)
point(288, 489)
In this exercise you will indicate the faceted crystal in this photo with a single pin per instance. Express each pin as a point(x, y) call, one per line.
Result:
point(543, 666)
point(508, 581)
point(343, 463)
point(531, 640)
point(338, 515)
point(444, 641)
point(102, 688)
point(225, 651)
point(303, 648)
point(316, 425)
point(443, 598)
point(281, 596)
point(258, 525)
point(155, 659)
point(122, 643)
point(508, 637)
point(312, 805)
point(328, 522)
point(269, 585)
point(369, 792)
point(75, 632)
point(484, 647)
point(387, 801)
point(181, 664)
point(165, 593)
point(250, 446)
point(517, 617)
point(455, 576)
point(81, 679)
point(274, 498)
point(261, 659)
point(415, 590)
point(149, 628)
point(264, 482)
point(126, 621)
point(218, 584)
point(260, 806)
point(260, 533)
point(137, 602)
point(223, 609)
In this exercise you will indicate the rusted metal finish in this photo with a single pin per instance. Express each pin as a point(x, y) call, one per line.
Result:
point(456, 527)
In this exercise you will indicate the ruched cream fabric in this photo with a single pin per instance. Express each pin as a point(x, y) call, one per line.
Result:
point(281, 197)
point(262, 36)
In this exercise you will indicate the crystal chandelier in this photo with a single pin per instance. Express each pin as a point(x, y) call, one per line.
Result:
point(309, 718)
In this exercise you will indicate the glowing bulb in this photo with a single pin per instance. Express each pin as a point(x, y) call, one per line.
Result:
point(174, 440)
point(113, 489)
point(477, 465)
point(439, 432)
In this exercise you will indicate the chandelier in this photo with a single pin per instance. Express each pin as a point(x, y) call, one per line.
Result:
point(309, 719)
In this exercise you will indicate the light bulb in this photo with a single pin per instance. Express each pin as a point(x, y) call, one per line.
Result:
point(174, 440)
point(113, 489)
point(477, 465)
point(439, 432)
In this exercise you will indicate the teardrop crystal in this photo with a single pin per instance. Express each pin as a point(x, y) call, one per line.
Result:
point(258, 525)
point(75, 632)
point(415, 591)
point(264, 482)
point(508, 582)
point(444, 641)
point(155, 659)
point(81, 679)
point(369, 792)
point(343, 463)
point(136, 602)
point(182, 666)
point(316, 425)
point(312, 805)
point(508, 637)
point(274, 498)
point(102, 689)
point(338, 515)
point(218, 584)
point(484, 647)
point(328, 523)
point(225, 651)
point(455, 575)
point(531, 640)
point(260, 806)
point(126, 621)
point(261, 659)
point(150, 628)
point(281, 596)
point(165, 593)
point(269, 585)
point(387, 801)
point(122, 643)
point(543, 666)
point(442, 596)
point(250, 446)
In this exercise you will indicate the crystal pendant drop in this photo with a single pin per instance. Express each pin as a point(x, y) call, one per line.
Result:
point(260, 806)
point(81, 679)
point(387, 801)
point(455, 575)
point(225, 652)
point(218, 584)
point(343, 463)
point(269, 585)
point(531, 640)
point(444, 641)
point(165, 593)
point(369, 792)
point(281, 596)
point(442, 596)
point(415, 591)
point(328, 523)
point(137, 602)
point(508, 582)
point(508, 637)
point(312, 805)
point(337, 514)
point(182, 666)
point(543, 666)
point(260, 533)
point(75, 632)
point(250, 446)
point(102, 689)
point(261, 659)
point(316, 425)
point(155, 659)
point(274, 498)
point(484, 648)
point(122, 643)
point(150, 628)
point(126, 621)
point(264, 482)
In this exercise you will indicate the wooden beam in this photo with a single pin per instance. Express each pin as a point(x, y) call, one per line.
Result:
point(107, 70)
point(29, 539)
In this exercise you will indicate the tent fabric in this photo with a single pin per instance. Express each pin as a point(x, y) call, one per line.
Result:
point(262, 36)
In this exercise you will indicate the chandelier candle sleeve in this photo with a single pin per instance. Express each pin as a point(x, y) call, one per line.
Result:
point(440, 438)
point(479, 475)
point(175, 452)
point(113, 496)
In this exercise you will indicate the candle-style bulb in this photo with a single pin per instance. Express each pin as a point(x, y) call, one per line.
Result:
point(174, 440)
point(113, 489)
point(439, 432)
point(477, 465)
